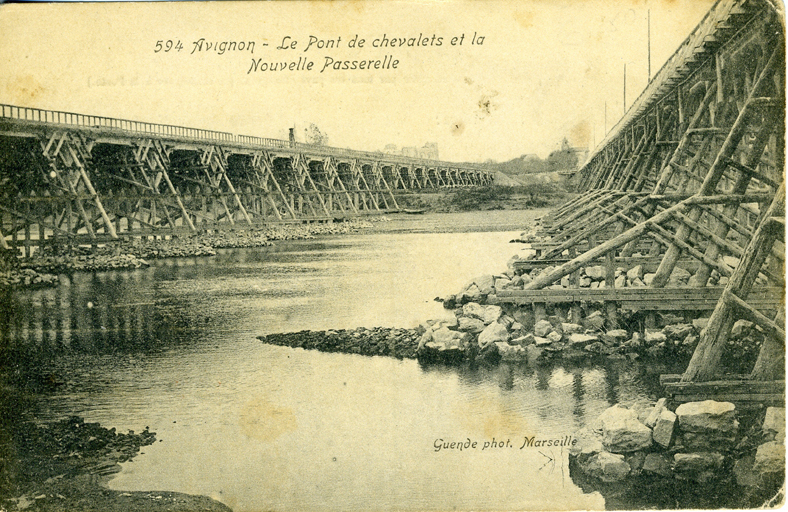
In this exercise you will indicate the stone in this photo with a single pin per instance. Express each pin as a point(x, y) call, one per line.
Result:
point(516, 326)
point(652, 337)
point(648, 278)
point(770, 458)
point(596, 272)
point(708, 416)
point(569, 328)
point(565, 282)
point(595, 321)
point(517, 282)
point(621, 281)
point(491, 314)
point(584, 282)
point(471, 294)
point(502, 284)
point(525, 340)
point(533, 352)
point(657, 464)
point(700, 323)
point(774, 424)
point(635, 341)
point(511, 352)
point(698, 466)
point(615, 336)
point(595, 284)
point(539, 341)
point(554, 336)
point(663, 429)
point(597, 348)
point(679, 276)
point(470, 324)
point(741, 328)
point(493, 333)
point(635, 272)
point(525, 317)
point(723, 281)
point(582, 339)
point(652, 418)
point(708, 441)
point(677, 331)
point(746, 476)
point(485, 284)
point(635, 461)
point(526, 279)
point(447, 338)
point(588, 443)
point(608, 467)
point(637, 283)
point(622, 432)
point(473, 310)
point(542, 328)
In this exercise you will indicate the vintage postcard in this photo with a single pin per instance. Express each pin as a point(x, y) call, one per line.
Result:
point(382, 256)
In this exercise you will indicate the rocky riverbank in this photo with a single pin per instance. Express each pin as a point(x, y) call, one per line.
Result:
point(64, 466)
point(380, 341)
point(42, 269)
point(693, 455)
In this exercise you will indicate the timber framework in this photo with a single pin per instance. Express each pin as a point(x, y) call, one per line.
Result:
point(89, 179)
point(686, 194)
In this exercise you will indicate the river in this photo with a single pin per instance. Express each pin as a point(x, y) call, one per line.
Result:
point(259, 427)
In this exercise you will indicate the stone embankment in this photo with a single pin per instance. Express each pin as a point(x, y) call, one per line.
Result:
point(64, 466)
point(43, 268)
point(380, 341)
point(684, 456)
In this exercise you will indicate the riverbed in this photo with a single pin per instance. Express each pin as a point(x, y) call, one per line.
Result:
point(173, 347)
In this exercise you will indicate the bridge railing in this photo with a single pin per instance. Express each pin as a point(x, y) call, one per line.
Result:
point(88, 121)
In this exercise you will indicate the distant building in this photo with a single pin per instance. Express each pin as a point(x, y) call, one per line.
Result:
point(411, 151)
point(391, 149)
point(429, 151)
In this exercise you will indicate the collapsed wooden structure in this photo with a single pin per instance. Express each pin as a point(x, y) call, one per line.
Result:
point(691, 178)
point(89, 178)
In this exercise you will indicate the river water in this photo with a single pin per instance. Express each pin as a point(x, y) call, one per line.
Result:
point(258, 427)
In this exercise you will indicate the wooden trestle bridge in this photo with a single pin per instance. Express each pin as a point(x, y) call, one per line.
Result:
point(691, 177)
point(88, 178)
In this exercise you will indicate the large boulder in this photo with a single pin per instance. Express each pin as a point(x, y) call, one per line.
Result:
point(663, 429)
point(582, 339)
point(698, 466)
point(542, 328)
point(511, 352)
point(707, 425)
point(493, 333)
point(708, 416)
point(608, 467)
point(774, 424)
point(677, 331)
point(770, 458)
point(596, 272)
point(622, 432)
point(470, 294)
point(487, 314)
point(473, 310)
point(658, 464)
point(588, 443)
point(486, 284)
point(635, 272)
point(569, 328)
point(524, 340)
point(615, 336)
point(444, 339)
point(470, 324)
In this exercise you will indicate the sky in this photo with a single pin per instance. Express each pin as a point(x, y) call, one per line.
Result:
point(543, 70)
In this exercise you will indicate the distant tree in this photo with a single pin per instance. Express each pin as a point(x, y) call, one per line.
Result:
point(313, 135)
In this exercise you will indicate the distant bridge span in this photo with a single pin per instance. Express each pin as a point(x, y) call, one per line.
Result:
point(88, 177)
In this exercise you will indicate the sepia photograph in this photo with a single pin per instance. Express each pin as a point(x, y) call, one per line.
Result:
point(415, 255)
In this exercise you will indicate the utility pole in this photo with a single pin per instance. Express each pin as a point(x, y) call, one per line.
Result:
point(649, 45)
point(625, 87)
